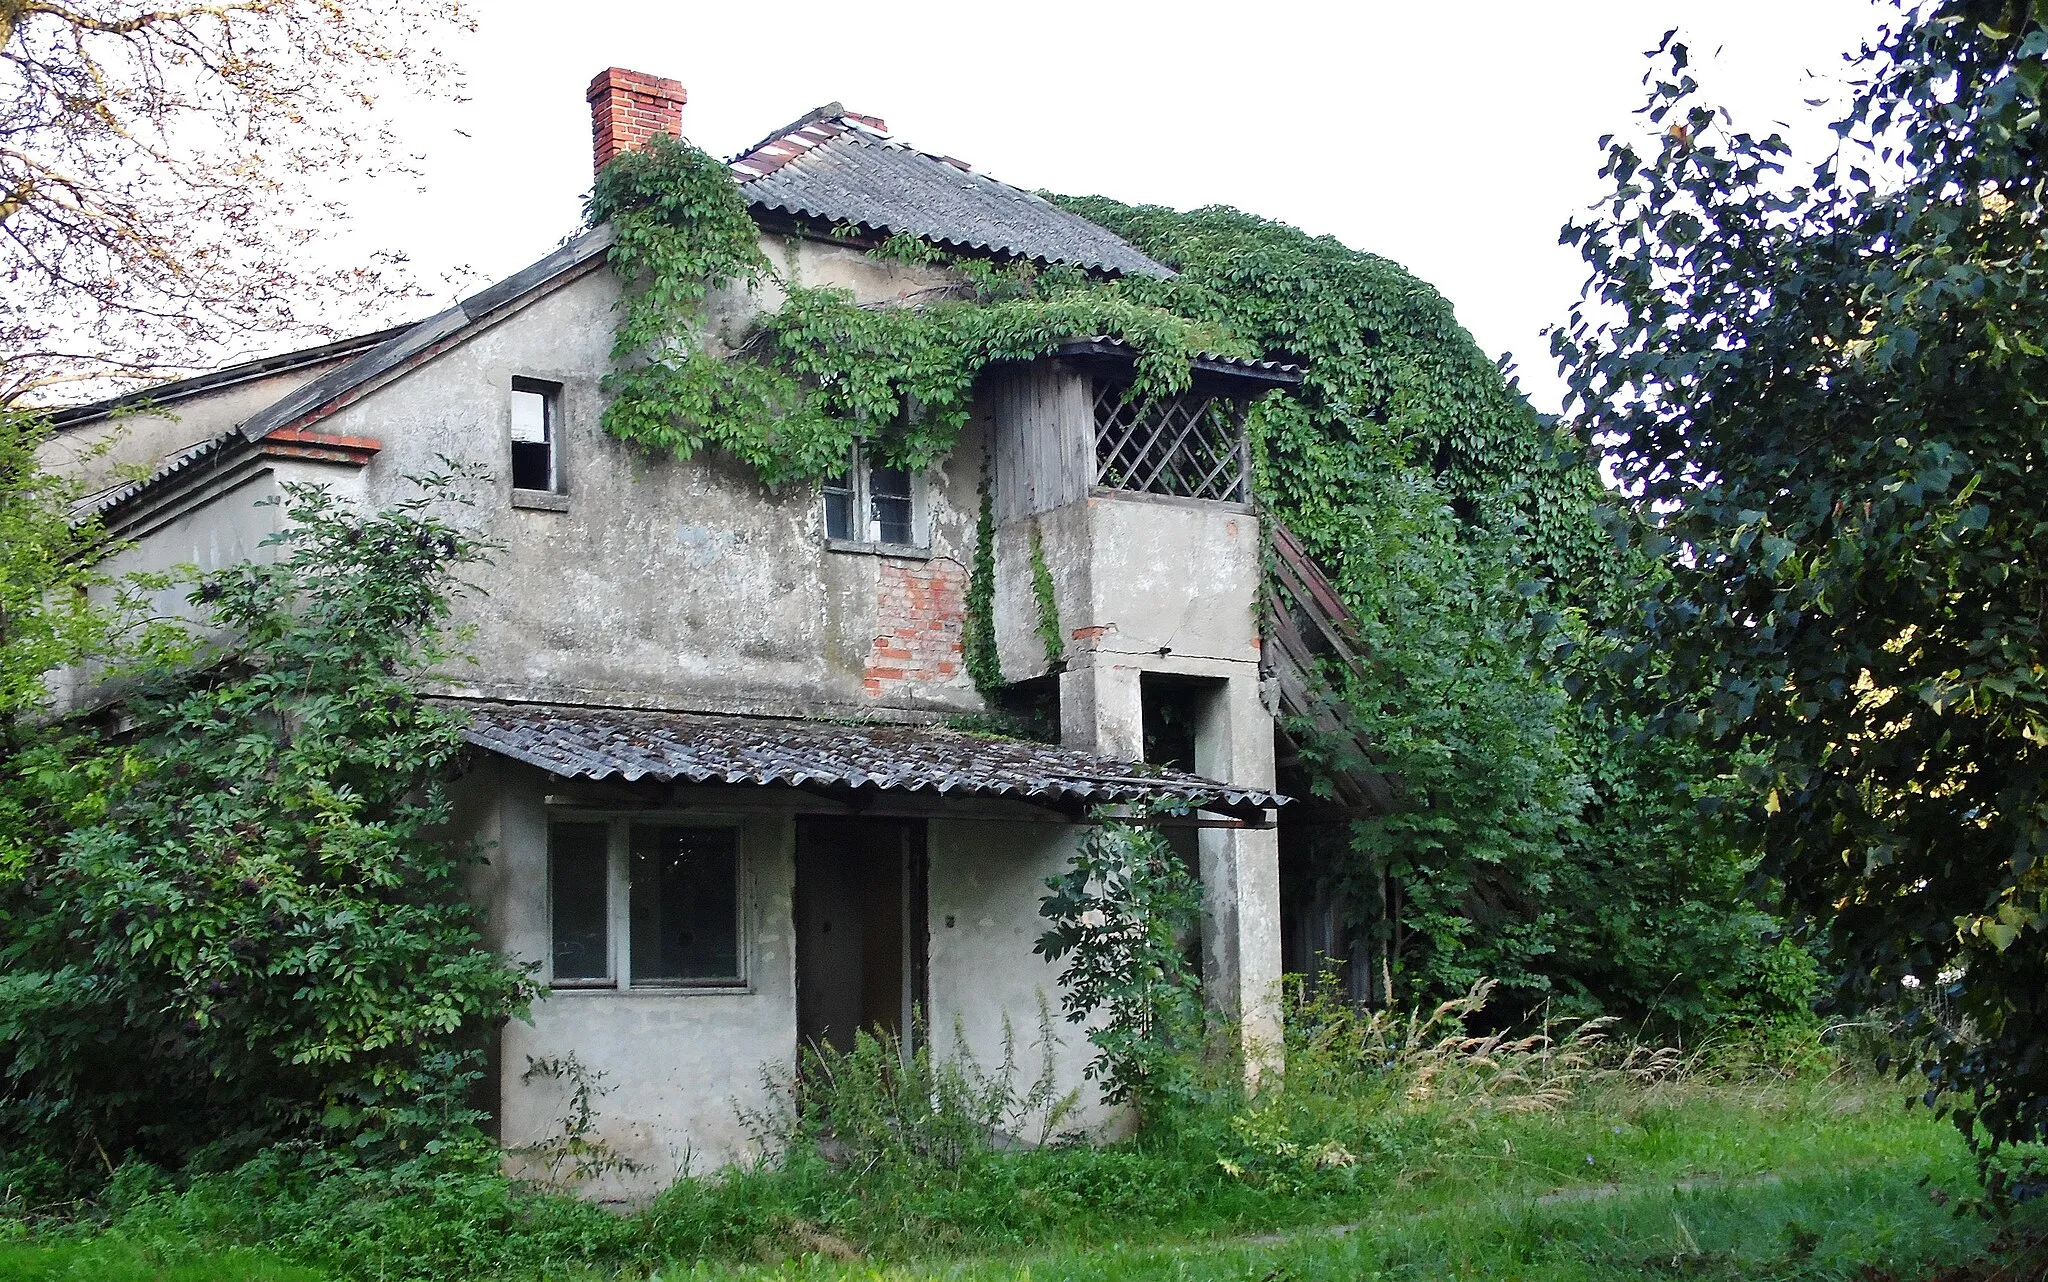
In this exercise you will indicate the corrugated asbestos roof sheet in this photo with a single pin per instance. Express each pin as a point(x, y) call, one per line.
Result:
point(845, 168)
point(671, 747)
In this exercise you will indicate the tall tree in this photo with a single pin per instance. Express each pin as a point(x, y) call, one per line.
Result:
point(159, 170)
point(1825, 392)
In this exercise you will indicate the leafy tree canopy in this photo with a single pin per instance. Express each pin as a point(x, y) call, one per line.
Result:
point(1825, 387)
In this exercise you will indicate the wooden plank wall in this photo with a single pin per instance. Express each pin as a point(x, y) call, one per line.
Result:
point(1044, 438)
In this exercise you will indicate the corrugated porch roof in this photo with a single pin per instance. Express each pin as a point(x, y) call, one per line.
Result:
point(682, 747)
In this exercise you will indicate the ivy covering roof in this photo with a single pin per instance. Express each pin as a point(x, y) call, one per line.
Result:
point(840, 167)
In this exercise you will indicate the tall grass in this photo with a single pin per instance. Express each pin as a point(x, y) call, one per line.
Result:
point(880, 1153)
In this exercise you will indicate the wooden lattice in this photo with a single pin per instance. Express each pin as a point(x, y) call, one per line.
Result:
point(1191, 446)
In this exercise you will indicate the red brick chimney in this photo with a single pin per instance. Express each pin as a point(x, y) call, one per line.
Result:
point(629, 107)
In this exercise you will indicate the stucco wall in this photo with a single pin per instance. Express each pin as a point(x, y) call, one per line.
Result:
point(987, 878)
point(679, 1067)
point(680, 583)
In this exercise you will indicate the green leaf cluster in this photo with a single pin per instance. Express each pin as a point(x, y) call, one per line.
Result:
point(800, 383)
point(1540, 840)
point(245, 925)
point(1827, 388)
point(1120, 918)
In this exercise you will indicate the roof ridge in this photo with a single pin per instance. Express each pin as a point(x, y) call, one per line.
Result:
point(819, 125)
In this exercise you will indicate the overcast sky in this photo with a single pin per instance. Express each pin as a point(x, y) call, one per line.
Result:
point(1453, 138)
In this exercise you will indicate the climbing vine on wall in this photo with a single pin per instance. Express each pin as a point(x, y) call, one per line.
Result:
point(1049, 632)
point(791, 394)
point(1461, 527)
point(978, 639)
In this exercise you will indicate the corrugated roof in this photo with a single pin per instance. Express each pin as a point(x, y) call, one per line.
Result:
point(840, 167)
point(670, 747)
point(1273, 373)
point(160, 394)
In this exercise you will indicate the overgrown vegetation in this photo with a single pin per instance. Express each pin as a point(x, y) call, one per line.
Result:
point(1823, 386)
point(1443, 1143)
point(1531, 845)
point(232, 924)
point(791, 396)
point(1120, 917)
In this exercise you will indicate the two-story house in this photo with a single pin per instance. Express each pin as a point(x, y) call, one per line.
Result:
point(720, 806)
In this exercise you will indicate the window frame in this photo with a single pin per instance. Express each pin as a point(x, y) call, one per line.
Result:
point(550, 394)
point(619, 907)
point(860, 474)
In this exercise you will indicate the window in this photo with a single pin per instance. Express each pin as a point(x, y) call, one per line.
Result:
point(536, 429)
point(685, 890)
point(579, 870)
point(644, 903)
point(871, 504)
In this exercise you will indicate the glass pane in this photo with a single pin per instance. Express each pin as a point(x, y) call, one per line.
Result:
point(685, 902)
point(889, 496)
point(578, 863)
point(529, 416)
point(839, 506)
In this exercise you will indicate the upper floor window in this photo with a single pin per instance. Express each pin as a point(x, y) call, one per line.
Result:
point(872, 503)
point(536, 432)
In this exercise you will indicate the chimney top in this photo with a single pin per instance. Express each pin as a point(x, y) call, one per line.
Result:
point(629, 107)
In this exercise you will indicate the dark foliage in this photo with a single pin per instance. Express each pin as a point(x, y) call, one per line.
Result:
point(1826, 392)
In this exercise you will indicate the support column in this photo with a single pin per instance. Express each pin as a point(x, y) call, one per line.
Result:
point(1241, 880)
point(1102, 709)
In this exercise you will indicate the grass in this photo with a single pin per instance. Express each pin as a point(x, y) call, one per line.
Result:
point(117, 1259)
point(1395, 1151)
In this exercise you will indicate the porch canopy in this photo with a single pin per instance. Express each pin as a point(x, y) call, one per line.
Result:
point(843, 760)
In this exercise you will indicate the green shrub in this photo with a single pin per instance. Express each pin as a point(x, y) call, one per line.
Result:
point(247, 930)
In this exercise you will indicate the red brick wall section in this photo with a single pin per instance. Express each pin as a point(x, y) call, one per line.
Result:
point(629, 107)
point(921, 610)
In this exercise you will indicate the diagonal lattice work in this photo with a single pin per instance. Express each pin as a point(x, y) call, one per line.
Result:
point(1190, 446)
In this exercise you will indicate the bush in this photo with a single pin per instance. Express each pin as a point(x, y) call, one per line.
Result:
point(246, 930)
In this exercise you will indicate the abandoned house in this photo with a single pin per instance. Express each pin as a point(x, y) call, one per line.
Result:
point(713, 782)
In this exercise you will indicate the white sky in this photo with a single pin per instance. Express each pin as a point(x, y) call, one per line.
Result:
point(1453, 138)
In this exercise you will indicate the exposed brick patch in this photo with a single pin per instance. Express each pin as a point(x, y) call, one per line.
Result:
point(921, 609)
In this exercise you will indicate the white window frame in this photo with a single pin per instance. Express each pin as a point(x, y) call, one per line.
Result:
point(859, 469)
point(619, 900)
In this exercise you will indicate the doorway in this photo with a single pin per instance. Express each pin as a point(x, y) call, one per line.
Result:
point(861, 944)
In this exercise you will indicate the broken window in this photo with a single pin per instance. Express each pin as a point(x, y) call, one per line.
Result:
point(871, 503)
point(1190, 446)
point(644, 903)
point(536, 417)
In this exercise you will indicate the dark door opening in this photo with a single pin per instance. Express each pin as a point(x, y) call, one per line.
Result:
point(860, 927)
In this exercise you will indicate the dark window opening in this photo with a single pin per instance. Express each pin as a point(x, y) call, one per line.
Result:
point(684, 895)
point(889, 498)
point(840, 505)
point(579, 865)
point(1172, 708)
point(536, 413)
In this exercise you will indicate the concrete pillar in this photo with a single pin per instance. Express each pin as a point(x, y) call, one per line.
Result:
point(1102, 709)
point(1241, 879)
